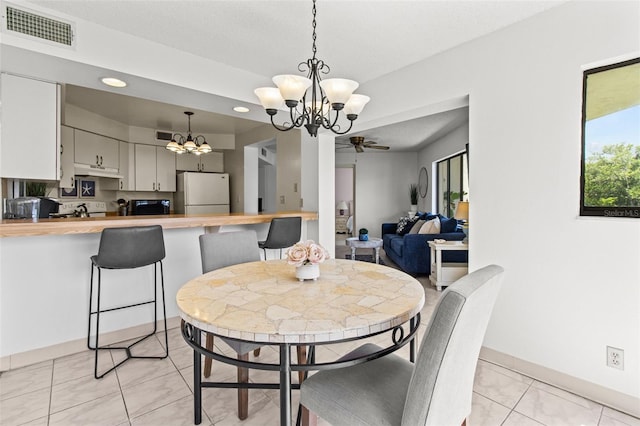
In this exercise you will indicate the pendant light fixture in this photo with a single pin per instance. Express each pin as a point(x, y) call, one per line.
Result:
point(191, 145)
point(313, 102)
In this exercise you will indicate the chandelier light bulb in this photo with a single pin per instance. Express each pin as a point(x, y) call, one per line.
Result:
point(338, 90)
point(292, 87)
point(355, 104)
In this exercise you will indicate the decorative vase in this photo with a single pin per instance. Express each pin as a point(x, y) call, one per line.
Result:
point(414, 208)
point(310, 271)
point(363, 237)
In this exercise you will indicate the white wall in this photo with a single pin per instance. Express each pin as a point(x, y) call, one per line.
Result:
point(572, 285)
point(382, 186)
point(444, 147)
point(344, 185)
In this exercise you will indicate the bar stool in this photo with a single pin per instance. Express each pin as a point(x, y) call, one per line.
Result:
point(283, 232)
point(127, 248)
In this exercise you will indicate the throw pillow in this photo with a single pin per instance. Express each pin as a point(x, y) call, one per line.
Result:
point(430, 227)
point(448, 225)
point(405, 224)
point(416, 227)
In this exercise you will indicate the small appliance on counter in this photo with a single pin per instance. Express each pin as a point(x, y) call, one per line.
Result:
point(83, 208)
point(30, 208)
point(149, 207)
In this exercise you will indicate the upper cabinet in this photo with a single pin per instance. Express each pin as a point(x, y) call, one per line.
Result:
point(67, 177)
point(211, 162)
point(30, 142)
point(155, 168)
point(96, 150)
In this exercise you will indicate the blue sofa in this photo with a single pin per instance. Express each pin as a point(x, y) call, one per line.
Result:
point(411, 251)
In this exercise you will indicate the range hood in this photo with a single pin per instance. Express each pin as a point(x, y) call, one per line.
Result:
point(88, 170)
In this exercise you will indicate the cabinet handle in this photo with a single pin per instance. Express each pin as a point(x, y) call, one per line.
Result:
point(61, 173)
point(61, 149)
point(73, 183)
point(154, 186)
point(158, 186)
point(101, 160)
point(121, 185)
point(97, 161)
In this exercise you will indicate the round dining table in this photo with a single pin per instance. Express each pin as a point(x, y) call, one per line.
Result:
point(263, 302)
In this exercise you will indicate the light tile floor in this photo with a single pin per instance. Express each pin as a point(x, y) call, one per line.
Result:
point(149, 392)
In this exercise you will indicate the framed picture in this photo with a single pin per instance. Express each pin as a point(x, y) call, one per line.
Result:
point(70, 192)
point(87, 188)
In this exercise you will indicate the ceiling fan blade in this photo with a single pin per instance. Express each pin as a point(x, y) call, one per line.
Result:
point(377, 147)
point(370, 143)
point(358, 148)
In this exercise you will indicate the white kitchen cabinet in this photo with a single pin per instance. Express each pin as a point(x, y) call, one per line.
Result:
point(67, 172)
point(155, 168)
point(211, 162)
point(126, 170)
point(30, 131)
point(96, 150)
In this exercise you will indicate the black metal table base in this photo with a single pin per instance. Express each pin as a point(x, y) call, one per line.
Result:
point(193, 337)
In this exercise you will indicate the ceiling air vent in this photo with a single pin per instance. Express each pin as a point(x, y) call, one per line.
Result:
point(39, 26)
point(163, 136)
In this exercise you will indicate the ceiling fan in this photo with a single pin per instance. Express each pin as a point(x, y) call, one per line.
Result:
point(359, 144)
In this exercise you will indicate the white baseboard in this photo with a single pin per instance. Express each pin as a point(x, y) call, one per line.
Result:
point(48, 353)
point(605, 396)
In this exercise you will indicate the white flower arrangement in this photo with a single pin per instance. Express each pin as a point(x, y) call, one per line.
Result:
point(306, 252)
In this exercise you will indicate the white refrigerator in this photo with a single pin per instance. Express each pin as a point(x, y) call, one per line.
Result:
point(202, 193)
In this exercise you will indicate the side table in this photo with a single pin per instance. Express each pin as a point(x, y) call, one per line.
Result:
point(445, 273)
point(371, 243)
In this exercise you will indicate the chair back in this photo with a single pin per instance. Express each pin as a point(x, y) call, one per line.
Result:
point(283, 232)
point(130, 247)
point(441, 386)
point(218, 250)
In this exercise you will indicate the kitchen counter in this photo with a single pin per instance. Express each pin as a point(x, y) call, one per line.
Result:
point(84, 225)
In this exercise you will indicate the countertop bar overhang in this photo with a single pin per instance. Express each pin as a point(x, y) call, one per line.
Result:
point(70, 226)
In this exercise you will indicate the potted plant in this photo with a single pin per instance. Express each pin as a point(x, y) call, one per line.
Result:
point(363, 234)
point(413, 194)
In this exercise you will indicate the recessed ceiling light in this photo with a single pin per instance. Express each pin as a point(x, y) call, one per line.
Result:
point(113, 82)
point(241, 109)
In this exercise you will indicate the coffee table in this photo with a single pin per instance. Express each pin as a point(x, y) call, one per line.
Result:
point(371, 243)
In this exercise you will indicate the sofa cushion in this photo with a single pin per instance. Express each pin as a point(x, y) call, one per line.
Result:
point(431, 227)
point(397, 244)
point(405, 224)
point(417, 226)
point(448, 225)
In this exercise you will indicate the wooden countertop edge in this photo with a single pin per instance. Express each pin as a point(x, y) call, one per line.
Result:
point(70, 226)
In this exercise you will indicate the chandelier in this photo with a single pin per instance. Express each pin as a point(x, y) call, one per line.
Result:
point(319, 106)
point(191, 145)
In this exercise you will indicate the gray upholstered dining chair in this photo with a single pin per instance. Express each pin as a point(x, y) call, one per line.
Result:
point(437, 390)
point(218, 250)
point(283, 232)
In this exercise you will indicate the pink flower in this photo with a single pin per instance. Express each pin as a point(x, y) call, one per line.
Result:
point(306, 252)
point(317, 253)
point(297, 254)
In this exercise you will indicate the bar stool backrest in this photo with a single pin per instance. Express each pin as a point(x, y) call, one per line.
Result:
point(283, 232)
point(130, 247)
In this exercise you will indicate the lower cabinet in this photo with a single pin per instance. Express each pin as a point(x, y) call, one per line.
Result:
point(155, 168)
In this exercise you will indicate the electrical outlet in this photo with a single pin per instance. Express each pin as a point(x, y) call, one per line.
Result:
point(282, 199)
point(295, 187)
point(615, 358)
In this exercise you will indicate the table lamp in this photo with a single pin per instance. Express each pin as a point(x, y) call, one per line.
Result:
point(342, 206)
point(462, 213)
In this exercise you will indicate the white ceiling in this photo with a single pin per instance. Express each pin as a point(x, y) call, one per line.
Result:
point(361, 40)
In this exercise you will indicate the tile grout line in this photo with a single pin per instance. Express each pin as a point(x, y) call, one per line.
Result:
point(53, 366)
point(124, 401)
point(516, 404)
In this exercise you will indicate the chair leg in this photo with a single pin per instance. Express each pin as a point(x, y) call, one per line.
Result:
point(243, 394)
point(207, 360)
point(256, 352)
point(302, 359)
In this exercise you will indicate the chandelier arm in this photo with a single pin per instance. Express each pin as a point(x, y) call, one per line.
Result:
point(282, 128)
